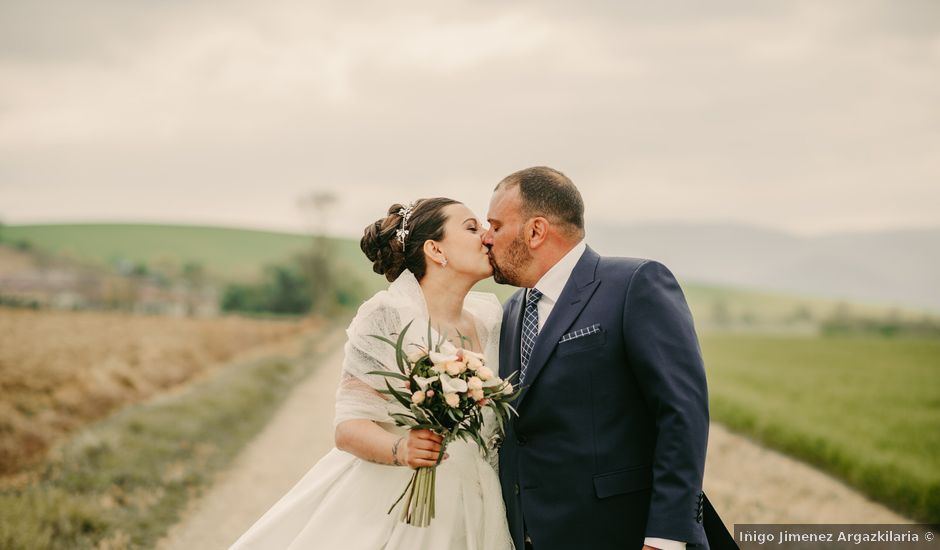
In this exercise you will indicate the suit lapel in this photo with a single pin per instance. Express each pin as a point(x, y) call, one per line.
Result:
point(576, 294)
point(510, 359)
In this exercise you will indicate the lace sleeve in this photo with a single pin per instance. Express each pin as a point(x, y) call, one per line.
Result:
point(356, 399)
point(358, 393)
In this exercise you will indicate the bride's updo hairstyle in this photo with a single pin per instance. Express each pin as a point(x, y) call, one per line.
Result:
point(382, 247)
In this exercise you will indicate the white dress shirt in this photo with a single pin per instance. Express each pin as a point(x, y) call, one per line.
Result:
point(553, 282)
point(550, 285)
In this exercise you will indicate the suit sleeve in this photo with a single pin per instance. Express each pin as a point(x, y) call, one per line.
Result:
point(663, 350)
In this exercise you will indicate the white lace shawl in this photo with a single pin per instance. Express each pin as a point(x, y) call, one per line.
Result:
point(386, 314)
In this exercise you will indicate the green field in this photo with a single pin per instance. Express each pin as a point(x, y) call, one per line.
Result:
point(232, 254)
point(864, 409)
point(227, 253)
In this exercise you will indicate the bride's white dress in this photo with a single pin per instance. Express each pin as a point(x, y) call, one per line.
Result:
point(342, 501)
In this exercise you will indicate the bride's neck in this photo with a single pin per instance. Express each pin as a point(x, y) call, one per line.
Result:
point(444, 295)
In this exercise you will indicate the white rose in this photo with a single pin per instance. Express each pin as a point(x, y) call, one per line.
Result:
point(493, 382)
point(417, 397)
point(476, 395)
point(455, 367)
point(507, 389)
point(430, 394)
point(452, 399)
point(484, 373)
point(442, 358)
point(476, 355)
point(473, 363)
point(474, 383)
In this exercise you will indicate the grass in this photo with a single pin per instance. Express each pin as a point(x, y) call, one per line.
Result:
point(60, 370)
point(121, 483)
point(864, 409)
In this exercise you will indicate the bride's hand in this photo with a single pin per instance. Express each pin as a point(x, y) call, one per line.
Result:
point(421, 449)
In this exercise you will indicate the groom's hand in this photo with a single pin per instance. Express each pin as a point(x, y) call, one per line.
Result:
point(648, 547)
point(423, 448)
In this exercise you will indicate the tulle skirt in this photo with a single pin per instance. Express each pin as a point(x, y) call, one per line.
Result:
point(342, 502)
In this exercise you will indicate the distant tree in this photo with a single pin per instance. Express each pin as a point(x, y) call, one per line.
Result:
point(316, 263)
point(287, 291)
point(140, 269)
point(312, 281)
point(244, 298)
point(283, 290)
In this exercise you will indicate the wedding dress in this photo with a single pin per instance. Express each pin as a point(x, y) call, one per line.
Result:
point(342, 501)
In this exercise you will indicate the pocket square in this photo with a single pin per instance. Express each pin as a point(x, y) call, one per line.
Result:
point(581, 333)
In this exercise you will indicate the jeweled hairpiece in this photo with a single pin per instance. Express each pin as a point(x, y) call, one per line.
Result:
point(405, 213)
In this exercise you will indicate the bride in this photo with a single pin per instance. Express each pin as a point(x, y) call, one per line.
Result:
point(432, 253)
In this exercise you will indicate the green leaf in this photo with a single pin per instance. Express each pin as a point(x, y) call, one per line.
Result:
point(395, 375)
point(384, 339)
point(432, 427)
point(419, 414)
point(398, 396)
point(479, 440)
point(404, 419)
point(399, 352)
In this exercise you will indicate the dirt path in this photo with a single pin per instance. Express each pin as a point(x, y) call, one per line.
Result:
point(746, 482)
point(297, 436)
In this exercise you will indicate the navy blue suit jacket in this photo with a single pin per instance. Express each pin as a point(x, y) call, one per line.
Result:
point(609, 445)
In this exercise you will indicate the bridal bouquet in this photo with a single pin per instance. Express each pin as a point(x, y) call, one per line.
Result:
point(445, 389)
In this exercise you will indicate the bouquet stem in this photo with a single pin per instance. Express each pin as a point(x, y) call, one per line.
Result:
point(418, 509)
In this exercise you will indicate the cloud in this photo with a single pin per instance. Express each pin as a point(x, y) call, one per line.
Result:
point(802, 115)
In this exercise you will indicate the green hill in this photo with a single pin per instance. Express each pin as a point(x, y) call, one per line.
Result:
point(228, 254)
point(234, 254)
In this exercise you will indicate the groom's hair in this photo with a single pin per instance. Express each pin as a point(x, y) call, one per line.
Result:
point(549, 193)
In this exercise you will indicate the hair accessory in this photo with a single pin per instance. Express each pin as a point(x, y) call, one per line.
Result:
point(405, 213)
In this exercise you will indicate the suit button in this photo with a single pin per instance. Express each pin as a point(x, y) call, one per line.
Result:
point(515, 488)
point(521, 441)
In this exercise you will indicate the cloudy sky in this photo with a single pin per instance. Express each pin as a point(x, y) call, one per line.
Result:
point(806, 116)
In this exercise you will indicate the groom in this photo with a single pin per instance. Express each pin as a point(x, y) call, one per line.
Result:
point(608, 451)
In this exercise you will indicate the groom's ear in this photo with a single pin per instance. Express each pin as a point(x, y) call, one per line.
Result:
point(536, 231)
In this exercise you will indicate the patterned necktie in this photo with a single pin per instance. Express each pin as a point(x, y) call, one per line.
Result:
point(530, 328)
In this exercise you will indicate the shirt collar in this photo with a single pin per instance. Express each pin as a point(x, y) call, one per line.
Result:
point(553, 282)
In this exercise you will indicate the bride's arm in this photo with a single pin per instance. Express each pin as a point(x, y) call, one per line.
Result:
point(358, 409)
point(368, 441)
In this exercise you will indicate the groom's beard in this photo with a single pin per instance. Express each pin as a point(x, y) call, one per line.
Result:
point(507, 272)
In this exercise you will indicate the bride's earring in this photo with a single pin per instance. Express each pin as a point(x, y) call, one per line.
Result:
point(444, 263)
